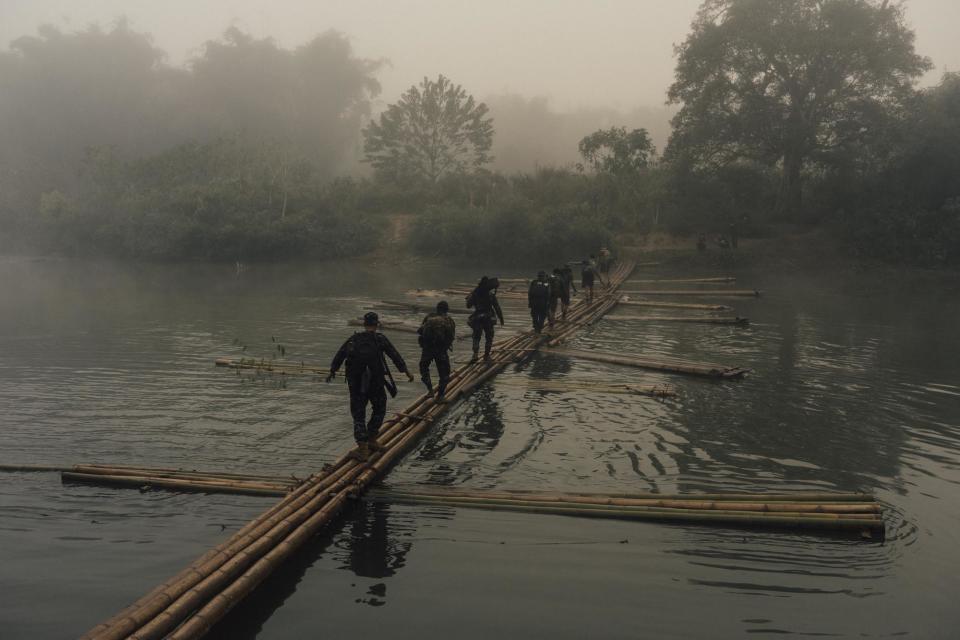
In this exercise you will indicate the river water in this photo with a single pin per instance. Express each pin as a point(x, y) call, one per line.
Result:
point(856, 386)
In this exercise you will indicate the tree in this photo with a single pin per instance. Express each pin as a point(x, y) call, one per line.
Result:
point(789, 83)
point(435, 128)
point(616, 151)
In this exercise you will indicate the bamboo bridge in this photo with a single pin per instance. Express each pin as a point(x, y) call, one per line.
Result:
point(191, 602)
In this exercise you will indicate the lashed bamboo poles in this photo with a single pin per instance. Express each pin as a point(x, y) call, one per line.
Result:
point(690, 319)
point(785, 519)
point(657, 364)
point(741, 293)
point(675, 305)
point(396, 326)
point(239, 487)
point(654, 390)
point(206, 590)
point(721, 280)
point(424, 308)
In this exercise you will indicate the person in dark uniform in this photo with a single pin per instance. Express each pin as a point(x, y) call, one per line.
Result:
point(437, 333)
point(366, 375)
point(486, 310)
point(587, 275)
point(556, 294)
point(567, 274)
point(538, 299)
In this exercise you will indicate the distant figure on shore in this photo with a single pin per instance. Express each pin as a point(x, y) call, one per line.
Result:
point(702, 242)
point(722, 242)
point(734, 235)
point(437, 334)
point(367, 379)
point(538, 300)
point(604, 260)
point(486, 310)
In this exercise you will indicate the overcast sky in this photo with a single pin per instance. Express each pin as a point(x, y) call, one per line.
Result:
point(576, 52)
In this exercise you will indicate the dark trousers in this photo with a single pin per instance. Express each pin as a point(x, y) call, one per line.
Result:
point(485, 328)
point(539, 315)
point(376, 395)
point(442, 358)
point(552, 316)
point(564, 303)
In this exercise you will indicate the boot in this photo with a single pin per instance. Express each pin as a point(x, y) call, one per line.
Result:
point(361, 453)
point(475, 355)
point(440, 399)
point(374, 445)
point(429, 387)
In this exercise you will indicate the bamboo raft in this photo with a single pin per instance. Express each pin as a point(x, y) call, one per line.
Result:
point(740, 293)
point(721, 280)
point(423, 308)
point(806, 511)
point(693, 319)
point(179, 480)
point(675, 305)
point(659, 363)
point(560, 386)
point(187, 605)
point(404, 327)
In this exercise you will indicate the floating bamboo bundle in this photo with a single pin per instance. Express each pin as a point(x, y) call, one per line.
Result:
point(397, 326)
point(721, 280)
point(658, 363)
point(179, 480)
point(188, 604)
point(280, 368)
point(654, 390)
point(694, 319)
point(742, 293)
point(412, 306)
point(675, 305)
point(822, 511)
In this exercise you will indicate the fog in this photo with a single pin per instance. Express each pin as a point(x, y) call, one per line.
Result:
point(603, 53)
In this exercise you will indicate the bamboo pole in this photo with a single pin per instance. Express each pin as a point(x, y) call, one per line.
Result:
point(742, 293)
point(694, 320)
point(826, 497)
point(425, 308)
point(240, 488)
point(273, 367)
point(675, 305)
point(654, 390)
point(720, 280)
point(666, 365)
point(834, 508)
point(798, 521)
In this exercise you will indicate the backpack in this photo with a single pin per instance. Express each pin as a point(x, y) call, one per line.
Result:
point(539, 291)
point(436, 331)
point(557, 284)
point(364, 351)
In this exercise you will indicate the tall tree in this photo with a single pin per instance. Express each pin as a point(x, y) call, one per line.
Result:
point(435, 128)
point(617, 151)
point(788, 83)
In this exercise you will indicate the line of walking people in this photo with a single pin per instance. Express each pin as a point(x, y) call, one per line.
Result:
point(364, 353)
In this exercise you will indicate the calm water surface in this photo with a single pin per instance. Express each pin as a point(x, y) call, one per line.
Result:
point(856, 387)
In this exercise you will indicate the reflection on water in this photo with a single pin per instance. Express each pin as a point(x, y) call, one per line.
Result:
point(855, 387)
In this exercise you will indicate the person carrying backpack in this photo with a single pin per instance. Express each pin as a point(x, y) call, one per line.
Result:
point(486, 309)
point(367, 379)
point(557, 285)
point(567, 273)
point(437, 334)
point(587, 275)
point(538, 299)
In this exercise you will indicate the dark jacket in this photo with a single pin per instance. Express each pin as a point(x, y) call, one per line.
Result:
point(539, 294)
point(355, 368)
point(484, 303)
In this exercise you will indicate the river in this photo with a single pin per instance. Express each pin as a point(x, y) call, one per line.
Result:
point(855, 386)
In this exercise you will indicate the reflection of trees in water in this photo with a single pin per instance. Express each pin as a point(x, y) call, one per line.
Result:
point(374, 546)
point(821, 397)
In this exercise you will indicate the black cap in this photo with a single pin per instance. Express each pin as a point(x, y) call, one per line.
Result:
point(443, 307)
point(371, 319)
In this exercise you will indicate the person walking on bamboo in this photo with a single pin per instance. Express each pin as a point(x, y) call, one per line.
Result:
point(368, 379)
point(567, 274)
point(538, 300)
point(486, 311)
point(587, 275)
point(437, 333)
point(556, 293)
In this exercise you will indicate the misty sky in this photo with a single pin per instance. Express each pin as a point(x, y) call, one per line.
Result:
point(576, 52)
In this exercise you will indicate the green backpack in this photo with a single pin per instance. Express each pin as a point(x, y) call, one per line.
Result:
point(437, 331)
